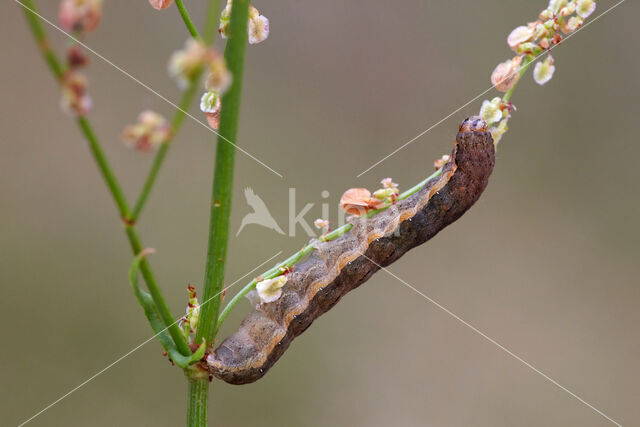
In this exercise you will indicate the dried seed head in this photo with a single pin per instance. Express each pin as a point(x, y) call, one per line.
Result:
point(80, 15)
point(506, 74)
point(358, 201)
point(520, 35)
point(160, 4)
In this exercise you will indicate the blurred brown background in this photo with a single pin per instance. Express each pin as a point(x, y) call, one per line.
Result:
point(546, 263)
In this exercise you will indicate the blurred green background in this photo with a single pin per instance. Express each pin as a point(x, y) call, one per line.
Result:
point(547, 263)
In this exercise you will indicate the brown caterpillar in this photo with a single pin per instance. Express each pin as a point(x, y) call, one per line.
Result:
point(338, 266)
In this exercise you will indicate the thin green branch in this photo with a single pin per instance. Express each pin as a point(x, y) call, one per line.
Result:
point(41, 39)
point(111, 181)
point(176, 123)
point(307, 249)
point(528, 60)
point(187, 20)
point(223, 175)
point(103, 166)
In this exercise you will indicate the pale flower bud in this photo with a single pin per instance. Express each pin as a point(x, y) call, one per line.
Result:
point(219, 77)
point(498, 131)
point(210, 104)
point(506, 74)
point(388, 183)
point(322, 224)
point(225, 20)
point(184, 64)
point(556, 5)
point(80, 15)
point(491, 111)
point(75, 99)
point(149, 132)
point(258, 26)
point(160, 4)
point(520, 35)
point(572, 24)
point(544, 70)
point(383, 193)
point(568, 9)
point(585, 8)
point(438, 163)
point(271, 289)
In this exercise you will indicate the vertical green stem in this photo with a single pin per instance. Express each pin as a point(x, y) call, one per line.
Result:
point(197, 406)
point(223, 175)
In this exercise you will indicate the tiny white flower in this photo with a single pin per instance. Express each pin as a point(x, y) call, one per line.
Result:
point(321, 223)
point(544, 70)
point(490, 110)
point(210, 102)
point(585, 8)
point(572, 24)
point(270, 290)
point(258, 26)
point(556, 5)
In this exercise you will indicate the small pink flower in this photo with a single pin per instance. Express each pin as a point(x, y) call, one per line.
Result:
point(160, 4)
point(438, 163)
point(506, 74)
point(75, 99)
point(149, 132)
point(80, 15)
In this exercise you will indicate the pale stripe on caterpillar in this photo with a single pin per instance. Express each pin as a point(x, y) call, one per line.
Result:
point(338, 266)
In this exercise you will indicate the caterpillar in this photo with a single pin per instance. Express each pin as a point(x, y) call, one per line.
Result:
point(338, 266)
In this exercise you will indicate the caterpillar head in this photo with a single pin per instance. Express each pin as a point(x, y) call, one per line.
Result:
point(473, 124)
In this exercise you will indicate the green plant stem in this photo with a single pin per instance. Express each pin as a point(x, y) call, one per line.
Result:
point(523, 68)
point(223, 175)
point(307, 249)
point(197, 406)
point(187, 20)
point(111, 181)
